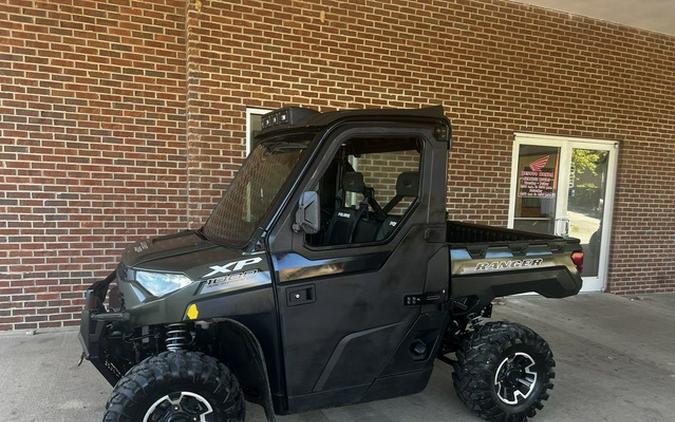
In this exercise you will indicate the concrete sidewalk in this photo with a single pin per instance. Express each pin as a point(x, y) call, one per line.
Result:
point(615, 356)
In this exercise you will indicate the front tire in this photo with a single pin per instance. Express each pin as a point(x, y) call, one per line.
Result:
point(177, 386)
point(503, 372)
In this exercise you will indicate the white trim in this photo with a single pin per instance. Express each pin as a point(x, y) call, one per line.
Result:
point(252, 111)
point(514, 181)
point(608, 215)
point(566, 145)
point(560, 139)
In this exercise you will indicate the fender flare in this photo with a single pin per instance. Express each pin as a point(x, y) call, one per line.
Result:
point(259, 366)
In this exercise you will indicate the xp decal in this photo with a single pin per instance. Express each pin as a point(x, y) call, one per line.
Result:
point(232, 266)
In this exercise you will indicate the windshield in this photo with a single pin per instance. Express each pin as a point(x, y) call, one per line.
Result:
point(253, 191)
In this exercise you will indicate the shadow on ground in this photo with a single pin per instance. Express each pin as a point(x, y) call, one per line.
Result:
point(616, 362)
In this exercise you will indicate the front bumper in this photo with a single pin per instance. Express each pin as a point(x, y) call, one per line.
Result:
point(93, 325)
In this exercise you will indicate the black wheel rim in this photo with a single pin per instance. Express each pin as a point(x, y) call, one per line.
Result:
point(182, 406)
point(515, 378)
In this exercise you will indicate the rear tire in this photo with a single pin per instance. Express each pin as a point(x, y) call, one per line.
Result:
point(503, 372)
point(180, 385)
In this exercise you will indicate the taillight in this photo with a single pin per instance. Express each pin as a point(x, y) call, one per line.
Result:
point(578, 259)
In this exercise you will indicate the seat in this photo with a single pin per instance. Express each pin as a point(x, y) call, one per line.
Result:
point(367, 228)
point(407, 186)
point(345, 219)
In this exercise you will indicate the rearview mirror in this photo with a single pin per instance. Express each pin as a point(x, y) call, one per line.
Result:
point(308, 215)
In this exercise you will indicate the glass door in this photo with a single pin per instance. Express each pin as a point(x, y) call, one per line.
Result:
point(537, 188)
point(565, 186)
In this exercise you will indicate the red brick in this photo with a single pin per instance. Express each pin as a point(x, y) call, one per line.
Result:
point(101, 103)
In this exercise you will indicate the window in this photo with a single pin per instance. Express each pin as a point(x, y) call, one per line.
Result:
point(367, 190)
point(537, 195)
point(254, 190)
point(253, 126)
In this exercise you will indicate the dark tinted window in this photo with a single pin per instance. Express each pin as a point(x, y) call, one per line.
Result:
point(254, 189)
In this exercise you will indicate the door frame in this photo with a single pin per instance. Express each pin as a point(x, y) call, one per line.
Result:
point(566, 145)
point(325, 269)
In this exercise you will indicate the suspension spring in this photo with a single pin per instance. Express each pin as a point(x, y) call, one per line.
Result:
point(177, 337)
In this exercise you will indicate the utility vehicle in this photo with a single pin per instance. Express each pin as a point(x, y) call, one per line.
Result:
point(327, 275)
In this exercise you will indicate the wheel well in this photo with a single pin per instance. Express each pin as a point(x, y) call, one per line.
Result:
point(239, 349)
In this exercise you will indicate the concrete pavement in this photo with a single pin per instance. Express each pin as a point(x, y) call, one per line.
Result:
point(615, 356)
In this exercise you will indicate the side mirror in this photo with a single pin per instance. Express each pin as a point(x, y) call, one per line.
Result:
point(308, 215)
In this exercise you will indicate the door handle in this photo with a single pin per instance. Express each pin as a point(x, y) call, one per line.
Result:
point(428, 298)
point(565, 230)
point(301, 295)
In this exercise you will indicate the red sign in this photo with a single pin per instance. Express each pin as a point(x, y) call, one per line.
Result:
point(537, 181)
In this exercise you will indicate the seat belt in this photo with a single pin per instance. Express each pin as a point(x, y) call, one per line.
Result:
point(390, 206)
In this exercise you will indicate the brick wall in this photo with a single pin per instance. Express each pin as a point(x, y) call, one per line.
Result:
point(498, 67)
point(92, 143)
point(119, 120)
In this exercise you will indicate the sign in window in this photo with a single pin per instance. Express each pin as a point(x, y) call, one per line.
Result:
point(537, 188)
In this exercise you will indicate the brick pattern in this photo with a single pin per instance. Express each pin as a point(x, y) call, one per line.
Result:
point(381, 171)
point(216, 103)
point(92, 142)
point(498, 67)
point(122, 119)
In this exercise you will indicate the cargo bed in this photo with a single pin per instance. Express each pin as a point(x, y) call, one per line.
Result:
point(460, 234)
point(490, 262)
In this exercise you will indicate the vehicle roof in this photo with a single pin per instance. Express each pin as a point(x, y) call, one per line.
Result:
point(313, 119)
point(326, 118)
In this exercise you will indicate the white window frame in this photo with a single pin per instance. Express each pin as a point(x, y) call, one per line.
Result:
point(250, 111)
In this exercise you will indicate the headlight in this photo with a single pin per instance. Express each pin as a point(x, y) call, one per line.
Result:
point(160, 284)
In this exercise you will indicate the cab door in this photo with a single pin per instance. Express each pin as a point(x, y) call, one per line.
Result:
point(353, 321)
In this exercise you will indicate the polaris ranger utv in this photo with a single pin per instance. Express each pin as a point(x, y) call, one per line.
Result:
point(327, 275)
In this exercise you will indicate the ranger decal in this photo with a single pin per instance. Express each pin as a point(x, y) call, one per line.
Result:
point(509, 264)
